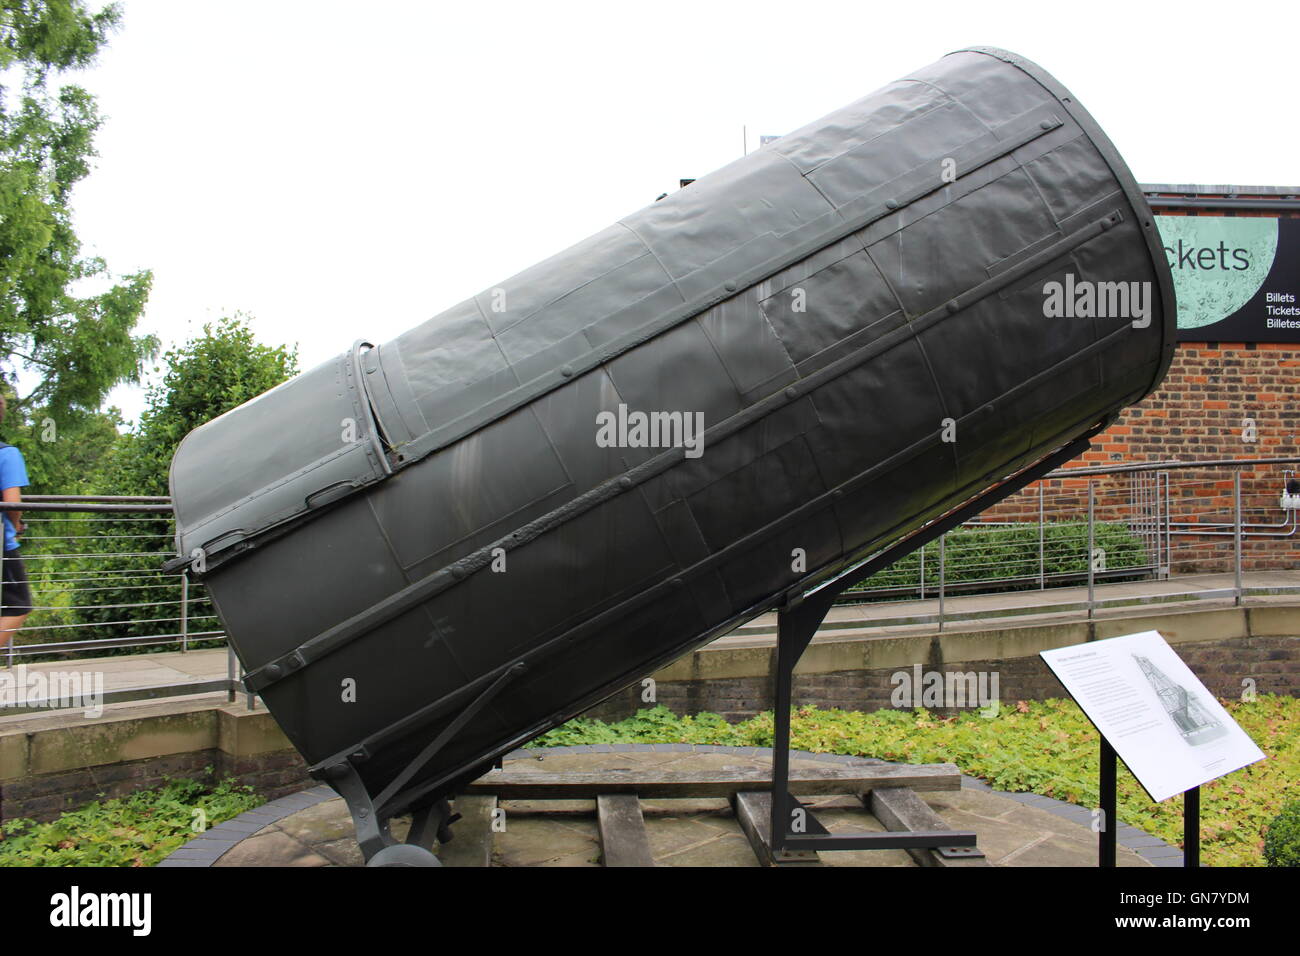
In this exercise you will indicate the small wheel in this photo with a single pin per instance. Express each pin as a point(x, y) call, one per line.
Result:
point(403, 854)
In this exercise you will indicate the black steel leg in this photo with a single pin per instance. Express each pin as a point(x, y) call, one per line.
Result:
point(430, 823)
point(378, 845)
point(1109, 823)
point(1192, 827)
point(372, 831)
point(792, 838)
point(795, 629)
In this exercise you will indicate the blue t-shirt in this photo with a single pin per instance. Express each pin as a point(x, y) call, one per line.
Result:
point(13, 474)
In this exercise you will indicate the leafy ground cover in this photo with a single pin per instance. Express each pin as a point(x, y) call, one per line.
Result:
point(136, 830)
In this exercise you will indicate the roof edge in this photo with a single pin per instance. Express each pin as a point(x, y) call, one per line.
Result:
point(1191, 190)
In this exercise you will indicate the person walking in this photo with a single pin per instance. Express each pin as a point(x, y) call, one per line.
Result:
point(15, 593)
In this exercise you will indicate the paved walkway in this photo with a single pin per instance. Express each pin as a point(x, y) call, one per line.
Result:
point(314, 829)
point(143, 672)
point(1026, 607)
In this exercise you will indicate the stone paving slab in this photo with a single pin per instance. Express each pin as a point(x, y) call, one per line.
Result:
point(314, 828)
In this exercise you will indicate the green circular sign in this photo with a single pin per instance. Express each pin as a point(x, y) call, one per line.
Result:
point(1218, 263)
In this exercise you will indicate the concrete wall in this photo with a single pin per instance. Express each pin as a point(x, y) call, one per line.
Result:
point(58, 761)
point(1223, 646)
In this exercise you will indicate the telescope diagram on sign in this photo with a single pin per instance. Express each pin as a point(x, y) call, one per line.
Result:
point(1195, 724)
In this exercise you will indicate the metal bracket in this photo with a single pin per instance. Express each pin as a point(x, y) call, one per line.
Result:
point(959, 852)
point(371, 815)
point(374, 435)
point(371, 829)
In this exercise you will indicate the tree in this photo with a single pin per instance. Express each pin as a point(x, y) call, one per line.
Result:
point(208, 375)
point(220, 369)
point(76, 342)
point(65, 457)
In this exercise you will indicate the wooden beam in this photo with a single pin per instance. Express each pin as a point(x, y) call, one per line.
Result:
point(754, 813)
point(623, 838)
point(899, 808)
point(650, 784)
point(471, 843)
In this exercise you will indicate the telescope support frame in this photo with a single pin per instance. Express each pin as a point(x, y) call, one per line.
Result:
point(796, 833)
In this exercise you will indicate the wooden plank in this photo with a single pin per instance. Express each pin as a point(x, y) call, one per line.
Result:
point(899, 808)
point(471, 843)
point(651, 784)
point(754, 813)
point(623, 838)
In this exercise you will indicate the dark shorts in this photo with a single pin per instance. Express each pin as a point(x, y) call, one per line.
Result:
point(15, 594)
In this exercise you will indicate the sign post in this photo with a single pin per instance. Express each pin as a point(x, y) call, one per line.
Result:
point(1192, 827)
point(1109, 811)
point(1155, 714)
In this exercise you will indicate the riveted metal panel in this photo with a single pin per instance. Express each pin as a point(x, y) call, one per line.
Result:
point(826, 306)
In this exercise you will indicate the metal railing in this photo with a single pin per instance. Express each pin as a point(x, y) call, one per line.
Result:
point(1084, 526)
point(94, 564)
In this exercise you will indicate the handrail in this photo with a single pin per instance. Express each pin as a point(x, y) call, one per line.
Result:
point(154, 499)
point(30, 504)
point(1173, 464)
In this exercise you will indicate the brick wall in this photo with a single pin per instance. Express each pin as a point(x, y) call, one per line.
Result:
point(1199, 409)
point(45, 796)
point(1197, 413)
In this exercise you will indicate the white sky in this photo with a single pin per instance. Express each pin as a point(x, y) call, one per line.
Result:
point(343, 170)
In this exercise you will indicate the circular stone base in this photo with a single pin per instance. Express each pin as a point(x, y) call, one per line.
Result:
point(314, 828)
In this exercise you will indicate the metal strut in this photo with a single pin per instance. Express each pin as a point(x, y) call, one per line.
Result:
point(371, 815)
point(795, 831)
